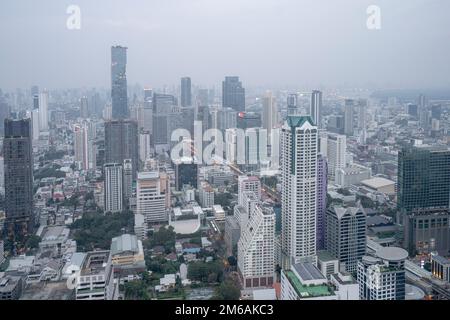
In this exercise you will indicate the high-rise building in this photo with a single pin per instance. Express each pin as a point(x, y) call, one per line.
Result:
point(292, 104)
point(299, 144)
point(349, 106)
point(423, 177)
point(270, 112)
point(163, 105)
point(152, 194)
point(246, 184)
point(423, 197)
point(186, 173)
point(233, 94)
point(18, 172)
point(334, 146)
point(206, 195)
point(2, 175)
point(346, 235)
point(121, 142)
point(35, 120)
point(84, 108)
point(322, 185)
point(256, 248)
point(381, 276)
point(43, 111)
point(80, 132)
point(127, 179)
point(113, 187)
point(144, 146)
point(316, 108)
point(119, 83)
point(186, 92)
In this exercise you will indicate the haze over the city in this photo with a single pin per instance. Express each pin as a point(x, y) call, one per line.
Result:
point(272, 43)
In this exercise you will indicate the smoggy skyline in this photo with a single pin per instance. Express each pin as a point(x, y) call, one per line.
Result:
point(271, 43)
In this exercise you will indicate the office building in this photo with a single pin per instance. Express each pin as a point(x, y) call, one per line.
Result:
point(121, 142)
point(119, 83)
point(247, 120)
point(352, 175)
point(96, 279)
point(2, 176)
point(346, 235)
point(186, 93)
point(80, 145)
point(233, 94)
point(299, 144)
point(18, 173)
point(113, 187)
point(423, 177)
point(256, 248)
point(381, 276)
point(426, 230)
point(316, 108)
point(152, 197)
point(163, 105)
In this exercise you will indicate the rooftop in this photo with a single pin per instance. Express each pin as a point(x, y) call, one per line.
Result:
point(324, 255)
point(124, 243)
point(376, 183)
point(392, 253)
point(307, 291)
point(308, 271)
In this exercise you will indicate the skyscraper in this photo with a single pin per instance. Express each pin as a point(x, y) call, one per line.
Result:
point(299, 143)
point(162, 107)
point(233, 94)
point(348, 117)
point(322, 185)
point(346, 235)
point(119, 82)
point(80, 132)
point(424, 198)
point(316, 108)
point(84, 108)
point(270, 112)
point(246, 184)
point(144, 146)
point(43, 111)
point(121, 142)
point(18, 168)
point(127, 178)
point(186, 93)
point(113, 187)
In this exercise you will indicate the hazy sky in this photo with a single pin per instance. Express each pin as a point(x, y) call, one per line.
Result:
point(265, 42)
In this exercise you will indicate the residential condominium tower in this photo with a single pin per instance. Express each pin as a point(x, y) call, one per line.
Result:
point(299, 143)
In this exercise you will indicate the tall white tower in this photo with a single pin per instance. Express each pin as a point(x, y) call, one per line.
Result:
point(299, 144)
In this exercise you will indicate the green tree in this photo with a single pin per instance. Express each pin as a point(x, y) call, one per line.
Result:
point(227, 291)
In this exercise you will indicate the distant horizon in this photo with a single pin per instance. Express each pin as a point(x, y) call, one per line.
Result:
point(268, 43)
